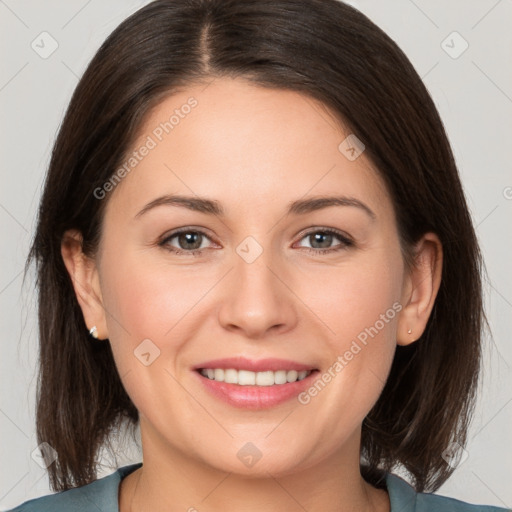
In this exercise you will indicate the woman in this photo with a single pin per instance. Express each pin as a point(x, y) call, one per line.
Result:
point(319, 332)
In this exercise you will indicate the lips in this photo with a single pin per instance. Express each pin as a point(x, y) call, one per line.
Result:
point(266, 392)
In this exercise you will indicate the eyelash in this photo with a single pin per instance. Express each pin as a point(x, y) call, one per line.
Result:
point(345, 241)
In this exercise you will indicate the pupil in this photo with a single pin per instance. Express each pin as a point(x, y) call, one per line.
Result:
point(188, 238)
point(327, 236)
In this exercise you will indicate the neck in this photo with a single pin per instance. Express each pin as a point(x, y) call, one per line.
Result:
point(173, 480)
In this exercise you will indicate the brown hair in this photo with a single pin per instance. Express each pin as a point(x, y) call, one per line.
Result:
point(335, 54)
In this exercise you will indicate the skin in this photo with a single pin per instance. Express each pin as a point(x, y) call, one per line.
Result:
point(254, 150)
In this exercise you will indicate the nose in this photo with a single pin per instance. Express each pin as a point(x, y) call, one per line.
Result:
point(258, 297)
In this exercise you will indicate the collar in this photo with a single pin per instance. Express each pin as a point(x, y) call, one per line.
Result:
point(402, 495)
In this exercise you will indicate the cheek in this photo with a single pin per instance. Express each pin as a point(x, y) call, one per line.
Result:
point(360, 309)
point(357, 298)
point(147, 308)
point(155, 301)
point(148, 300)
point(144, 303)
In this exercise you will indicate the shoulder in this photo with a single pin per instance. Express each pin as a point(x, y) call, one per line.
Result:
point(102, 494)
point(404, 498)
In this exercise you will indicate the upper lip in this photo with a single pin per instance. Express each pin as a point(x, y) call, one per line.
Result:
point(260, 365)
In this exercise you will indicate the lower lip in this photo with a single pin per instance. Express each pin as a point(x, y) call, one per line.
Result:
point(256, 397)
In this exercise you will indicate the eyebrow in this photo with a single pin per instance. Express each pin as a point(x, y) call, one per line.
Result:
point(298, 207)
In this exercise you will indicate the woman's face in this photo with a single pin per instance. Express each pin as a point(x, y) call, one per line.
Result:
point(261, 281)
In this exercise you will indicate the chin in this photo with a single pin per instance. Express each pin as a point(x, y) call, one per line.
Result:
point(257, 460)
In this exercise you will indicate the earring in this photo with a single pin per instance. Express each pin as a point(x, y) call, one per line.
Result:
point(409, 331)
point(94, 332)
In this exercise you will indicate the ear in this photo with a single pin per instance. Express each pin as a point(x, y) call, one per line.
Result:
point(420, 289)
point(85, 279)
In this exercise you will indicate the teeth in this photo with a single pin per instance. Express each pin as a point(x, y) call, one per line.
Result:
point(247, 378)
point(231, 376)
point(291, 376)
point(280, 377)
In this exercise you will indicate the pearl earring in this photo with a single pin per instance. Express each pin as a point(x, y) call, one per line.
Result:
point(409, 331)
point(94, 332)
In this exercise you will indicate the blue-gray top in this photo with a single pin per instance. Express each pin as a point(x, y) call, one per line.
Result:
point(102, 496)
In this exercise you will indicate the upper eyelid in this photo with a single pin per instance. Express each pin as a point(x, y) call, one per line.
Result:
point(179, 231)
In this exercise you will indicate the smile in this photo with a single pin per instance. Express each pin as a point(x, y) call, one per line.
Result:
point(249, 378)
point(247, 383)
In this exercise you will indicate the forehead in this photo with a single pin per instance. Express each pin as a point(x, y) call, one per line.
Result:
point(247, 146)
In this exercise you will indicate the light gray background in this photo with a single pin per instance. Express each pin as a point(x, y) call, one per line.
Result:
point(473, 93)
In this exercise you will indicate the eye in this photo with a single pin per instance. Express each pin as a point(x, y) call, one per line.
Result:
point(188, 240)
point(321, 240)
